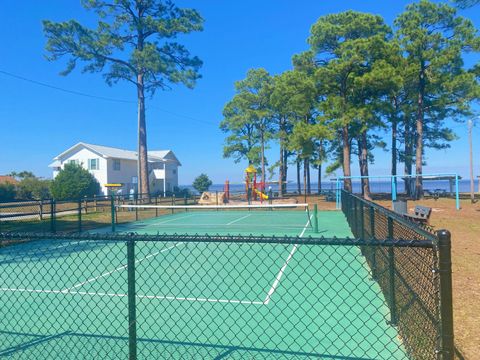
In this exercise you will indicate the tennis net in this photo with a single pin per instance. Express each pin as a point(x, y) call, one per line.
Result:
point(269, 219)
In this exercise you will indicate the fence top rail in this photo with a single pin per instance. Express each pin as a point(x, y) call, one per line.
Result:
point(239, 239)
point(453, 176)
point(428, 233)
point(13, 205)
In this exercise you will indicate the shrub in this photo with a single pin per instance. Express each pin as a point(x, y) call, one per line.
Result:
point(179, 192)
point(74, 182)
point(33, 188)
point(7, 192)
point(202, 183)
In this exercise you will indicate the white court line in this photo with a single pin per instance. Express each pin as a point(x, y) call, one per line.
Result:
point(177, 218)
point(157, 297)
point(234, 221)
point(119, 268)
point(282, 269)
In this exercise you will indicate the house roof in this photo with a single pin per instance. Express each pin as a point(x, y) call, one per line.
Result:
point(116, 153)
point(6, 179)
point(56, 163)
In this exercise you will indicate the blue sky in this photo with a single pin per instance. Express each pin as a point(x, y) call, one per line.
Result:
point(37, 122)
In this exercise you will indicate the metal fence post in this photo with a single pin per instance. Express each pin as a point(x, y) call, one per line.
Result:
point(53, 227)
point(391, 276)
point(447, 350)
point(40, 209)
point(372, 238)
point(156, 209)
point(80, 215)
point(315, 218)
point(112, 209)
point(132, 316)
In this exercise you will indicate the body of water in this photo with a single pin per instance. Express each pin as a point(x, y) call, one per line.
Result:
point(375, 186)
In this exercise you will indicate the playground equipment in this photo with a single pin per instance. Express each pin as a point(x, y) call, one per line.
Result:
point(212, 198)
point(252, 187)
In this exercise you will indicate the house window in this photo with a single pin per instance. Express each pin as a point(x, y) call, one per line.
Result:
point(93, 164)
point(116, 164)
point(174, 172)
point(73, 162)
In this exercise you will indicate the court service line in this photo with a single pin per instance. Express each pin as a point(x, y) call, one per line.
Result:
point(119, 268)
point(156, 297)
point(282, 269)
point(234, 221)
point(177, 218)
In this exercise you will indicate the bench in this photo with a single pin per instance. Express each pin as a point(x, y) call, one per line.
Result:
point(421, 214)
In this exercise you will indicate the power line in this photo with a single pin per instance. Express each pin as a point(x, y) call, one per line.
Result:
point(103, 98)
point(73, 92)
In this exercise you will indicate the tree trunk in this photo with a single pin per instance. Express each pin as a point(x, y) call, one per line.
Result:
point(347, 183)
point(363, 153)
point(320, 159)
point(285, 170)
point(282, 166)
point(299, 188)
point(408, 156)
point(263, 159)
point(307, 167)
point(394, 141)
point(319, 178)
point(419, 142)
point(280, 171)
point(143, 183)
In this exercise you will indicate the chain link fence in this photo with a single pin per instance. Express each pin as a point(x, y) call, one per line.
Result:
point(77, 215)
point(384, 294)
point(410, 278)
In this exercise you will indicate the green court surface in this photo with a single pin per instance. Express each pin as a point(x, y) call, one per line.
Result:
point(199, 300)
point(242, 222)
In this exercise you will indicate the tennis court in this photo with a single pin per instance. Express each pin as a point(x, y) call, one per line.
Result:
point(197, 298)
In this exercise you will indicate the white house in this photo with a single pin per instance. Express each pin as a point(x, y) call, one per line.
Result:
point(111, 165)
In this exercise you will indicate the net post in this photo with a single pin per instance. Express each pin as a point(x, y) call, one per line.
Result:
point(447, 350)
point(79, 215)
point(391, 275)
point(315, 218)
point(53, 227)
point(132, 316)
point(112, 210)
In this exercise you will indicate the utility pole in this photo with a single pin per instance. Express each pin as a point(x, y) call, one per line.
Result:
point(470, 142)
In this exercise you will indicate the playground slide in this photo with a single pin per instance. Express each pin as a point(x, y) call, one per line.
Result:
point(262, 195)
